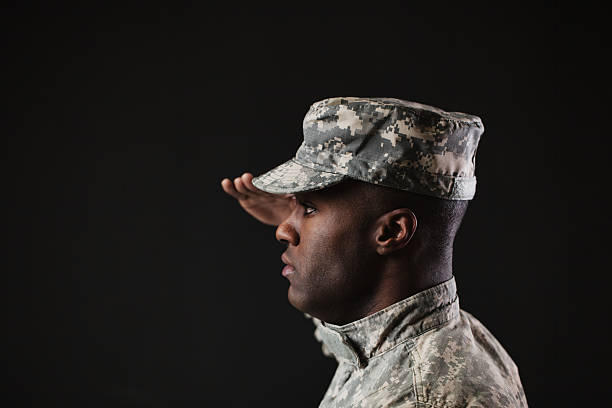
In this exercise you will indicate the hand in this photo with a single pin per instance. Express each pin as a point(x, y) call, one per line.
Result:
point(268, 208)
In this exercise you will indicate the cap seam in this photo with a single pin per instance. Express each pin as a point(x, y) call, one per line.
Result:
point(454, 178)
point(418, 112)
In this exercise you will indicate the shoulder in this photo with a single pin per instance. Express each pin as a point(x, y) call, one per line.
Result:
point(461, 363)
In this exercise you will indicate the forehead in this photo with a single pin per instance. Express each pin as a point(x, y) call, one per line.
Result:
point(342, 195)
point(314, 196)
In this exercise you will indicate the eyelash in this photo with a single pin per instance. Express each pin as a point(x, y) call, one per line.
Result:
point(307, 208)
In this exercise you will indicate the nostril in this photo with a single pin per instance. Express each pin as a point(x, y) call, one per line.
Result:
point(286, 234)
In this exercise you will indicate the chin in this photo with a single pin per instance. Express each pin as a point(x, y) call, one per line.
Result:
point(304, 304)
point(293, 298)
point(298, 300)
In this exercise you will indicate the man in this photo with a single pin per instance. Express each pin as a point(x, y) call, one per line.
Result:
point(369, 208)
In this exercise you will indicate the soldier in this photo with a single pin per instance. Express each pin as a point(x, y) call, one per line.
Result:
point(368, 209)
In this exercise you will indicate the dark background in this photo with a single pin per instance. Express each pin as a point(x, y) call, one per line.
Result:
point(134, 281)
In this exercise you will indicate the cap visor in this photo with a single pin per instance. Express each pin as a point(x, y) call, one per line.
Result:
point(293, 177)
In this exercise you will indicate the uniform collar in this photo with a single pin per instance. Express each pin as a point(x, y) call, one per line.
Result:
point(363, 339)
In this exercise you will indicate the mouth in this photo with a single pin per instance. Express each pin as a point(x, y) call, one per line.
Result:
point(288, 269)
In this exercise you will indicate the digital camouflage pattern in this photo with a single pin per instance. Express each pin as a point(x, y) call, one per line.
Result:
point(420, 352)
point(391, 142)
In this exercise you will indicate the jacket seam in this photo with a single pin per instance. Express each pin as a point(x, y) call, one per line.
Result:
point(436, 291)
point(415, 377)
point(442, 323)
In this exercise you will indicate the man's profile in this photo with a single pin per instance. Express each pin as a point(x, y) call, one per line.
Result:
point(368, 209)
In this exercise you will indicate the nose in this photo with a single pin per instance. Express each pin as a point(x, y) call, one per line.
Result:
point(286, 233)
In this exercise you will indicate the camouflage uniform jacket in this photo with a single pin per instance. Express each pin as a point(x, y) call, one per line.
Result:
point(420, 352)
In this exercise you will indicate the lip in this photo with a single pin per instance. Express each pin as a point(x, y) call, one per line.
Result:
point(288, 269)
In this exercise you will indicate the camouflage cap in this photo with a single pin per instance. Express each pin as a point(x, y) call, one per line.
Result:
point(394, 143)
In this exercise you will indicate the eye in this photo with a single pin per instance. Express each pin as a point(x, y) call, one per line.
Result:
point(309, 210)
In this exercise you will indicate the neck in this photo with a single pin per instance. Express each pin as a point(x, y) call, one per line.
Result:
point(401, 277)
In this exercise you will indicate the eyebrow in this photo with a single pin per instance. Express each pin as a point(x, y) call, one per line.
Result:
point(304, 201)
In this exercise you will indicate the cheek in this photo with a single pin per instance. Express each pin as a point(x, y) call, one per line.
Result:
point(333, 268)
point(337, 252)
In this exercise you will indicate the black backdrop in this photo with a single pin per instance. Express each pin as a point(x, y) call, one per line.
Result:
point(134, 281)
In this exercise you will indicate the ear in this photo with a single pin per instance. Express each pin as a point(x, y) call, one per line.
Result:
point(395, 229)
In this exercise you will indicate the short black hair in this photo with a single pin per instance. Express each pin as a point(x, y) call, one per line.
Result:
point(438, 218)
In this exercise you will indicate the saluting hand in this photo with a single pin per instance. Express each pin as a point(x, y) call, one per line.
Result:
point(268, 208)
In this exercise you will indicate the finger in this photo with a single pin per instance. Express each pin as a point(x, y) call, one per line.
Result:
point(247, 181)
point(228, 187)
point(240, 187)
